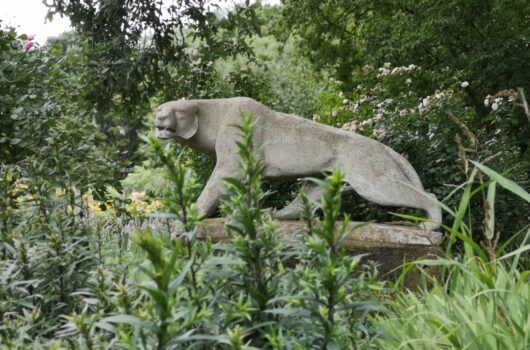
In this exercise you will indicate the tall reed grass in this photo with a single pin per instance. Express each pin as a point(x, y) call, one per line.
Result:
point(482, 300)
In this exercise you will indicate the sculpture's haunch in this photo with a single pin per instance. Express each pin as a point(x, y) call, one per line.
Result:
point(296, 148)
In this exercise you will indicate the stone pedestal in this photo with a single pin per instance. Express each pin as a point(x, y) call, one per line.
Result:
point(387, 245)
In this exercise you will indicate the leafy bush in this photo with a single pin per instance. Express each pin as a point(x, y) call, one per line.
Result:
point(469, 37)
point(238, 293)
point(481, 303)
point(72, 277)
point(427, 117)
point(46, 255)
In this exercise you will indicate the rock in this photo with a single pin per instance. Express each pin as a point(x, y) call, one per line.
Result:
point(389, 246)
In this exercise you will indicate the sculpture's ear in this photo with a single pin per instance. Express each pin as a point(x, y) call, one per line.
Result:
point(187, 120)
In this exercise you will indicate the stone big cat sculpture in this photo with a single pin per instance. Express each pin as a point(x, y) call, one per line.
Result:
point(295, 148)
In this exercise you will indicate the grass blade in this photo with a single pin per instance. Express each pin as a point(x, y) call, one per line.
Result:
point(504, 182)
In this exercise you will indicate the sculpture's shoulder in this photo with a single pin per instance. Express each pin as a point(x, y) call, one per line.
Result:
point(229, 104)
point(228, 101)
point(242, 100)
point(246, 104)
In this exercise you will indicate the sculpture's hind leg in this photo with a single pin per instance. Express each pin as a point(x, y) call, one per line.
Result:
point(294, 209)
point(391, 192)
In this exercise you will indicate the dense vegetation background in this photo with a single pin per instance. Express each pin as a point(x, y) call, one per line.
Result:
point(443, 83)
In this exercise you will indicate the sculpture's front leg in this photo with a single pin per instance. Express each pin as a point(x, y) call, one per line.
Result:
point(210, 198)
point(226, 166)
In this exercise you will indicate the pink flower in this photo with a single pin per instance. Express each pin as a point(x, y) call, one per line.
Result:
point(30, 37)
point(28, 45)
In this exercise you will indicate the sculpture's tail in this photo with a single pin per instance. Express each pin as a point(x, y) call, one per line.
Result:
point(434, 211)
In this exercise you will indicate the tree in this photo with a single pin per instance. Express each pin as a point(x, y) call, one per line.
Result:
point(487, 40)
point(436, 80)
point(134, 50)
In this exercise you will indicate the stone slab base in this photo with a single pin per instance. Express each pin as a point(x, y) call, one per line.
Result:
point(389, 246)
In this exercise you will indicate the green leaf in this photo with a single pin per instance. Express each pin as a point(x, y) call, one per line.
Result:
point(504, 182)
point(223, 260)
point(516, 252)
point(508, 242)
point(490, 224)
point(464, 201)
point(106, 326)
point(130, 320)
point(235, 183)
point(470, 245)
point(522, 278)
point(183, 272)
point(159, 297)
point(288, 311)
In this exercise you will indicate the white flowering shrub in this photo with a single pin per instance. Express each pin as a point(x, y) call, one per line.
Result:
point(430, 118)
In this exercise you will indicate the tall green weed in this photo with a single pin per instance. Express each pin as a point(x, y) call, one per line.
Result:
point(482, 300)
point(237, 294)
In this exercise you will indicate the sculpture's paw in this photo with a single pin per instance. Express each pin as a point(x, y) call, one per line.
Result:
point(286, 213)
point(429, 226)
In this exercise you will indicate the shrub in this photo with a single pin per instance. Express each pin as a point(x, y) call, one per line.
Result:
point(482, 300)
point(237, 294)
point(427, 116)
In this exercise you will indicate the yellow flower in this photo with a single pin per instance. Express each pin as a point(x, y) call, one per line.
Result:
point(19, 186)
point(94, 207)
point(91, 203)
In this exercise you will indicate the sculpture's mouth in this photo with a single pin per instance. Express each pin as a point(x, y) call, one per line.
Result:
point(165, 132)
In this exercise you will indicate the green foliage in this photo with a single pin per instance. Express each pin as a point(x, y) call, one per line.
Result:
point(40, 117)
point(278, 77)
point(70, 114)
point(327, 32)
point(254, 243)
point(433, 80)
point(46, 254)
point(130, 52)
point(483, 301)
point(28, 80)
point(50, 158)
point(469, 36)
point(432, 131)
point(330, 292)
point(187, 292)
point(146, 179)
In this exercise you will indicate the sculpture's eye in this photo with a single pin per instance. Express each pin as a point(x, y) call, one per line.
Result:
point(163, 113)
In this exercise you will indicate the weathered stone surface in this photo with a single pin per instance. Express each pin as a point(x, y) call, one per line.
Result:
point(294, 148)
point(360, 235)
point(387, 245)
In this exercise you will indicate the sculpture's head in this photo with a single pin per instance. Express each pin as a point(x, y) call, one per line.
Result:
point(176, 119)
